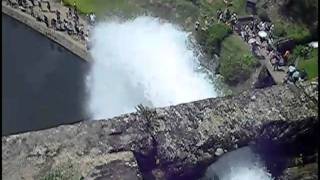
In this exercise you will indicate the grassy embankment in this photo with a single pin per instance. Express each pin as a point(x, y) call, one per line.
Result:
point(237, 60)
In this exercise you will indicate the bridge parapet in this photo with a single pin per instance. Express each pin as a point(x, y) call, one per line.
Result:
point(175, 140)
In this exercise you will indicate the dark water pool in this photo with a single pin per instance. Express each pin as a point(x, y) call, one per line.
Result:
point(43, 85)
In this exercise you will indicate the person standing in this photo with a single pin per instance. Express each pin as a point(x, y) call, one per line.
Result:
point(219, 12)
point(286, 56)
point(291, 69)
point(273, 63)
point(48, 6)
point(227, 14)
point(303, 75)
point(295, 76)
point(197, 25)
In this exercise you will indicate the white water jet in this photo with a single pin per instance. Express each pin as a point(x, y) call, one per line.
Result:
point(142, 61)
point(241, 164)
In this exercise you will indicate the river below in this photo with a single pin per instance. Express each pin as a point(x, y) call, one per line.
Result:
point(240, 164)
point(43, 84)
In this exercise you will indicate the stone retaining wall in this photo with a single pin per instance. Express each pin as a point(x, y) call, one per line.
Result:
point(67, 42)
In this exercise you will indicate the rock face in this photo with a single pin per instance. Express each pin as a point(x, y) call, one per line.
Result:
point(174, 142)
point(264, 79)
point(305, 172)
point(124, 169)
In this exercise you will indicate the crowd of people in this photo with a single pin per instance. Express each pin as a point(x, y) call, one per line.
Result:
point(259, 35)
point(60, 20)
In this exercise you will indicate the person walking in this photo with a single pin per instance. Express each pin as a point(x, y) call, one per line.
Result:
point(49, 6)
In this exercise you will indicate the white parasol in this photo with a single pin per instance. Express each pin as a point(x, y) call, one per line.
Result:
point(314, 44)
point(262, 34)
point(252, 40)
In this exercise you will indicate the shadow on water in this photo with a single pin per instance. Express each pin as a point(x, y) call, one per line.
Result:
point(43, 85)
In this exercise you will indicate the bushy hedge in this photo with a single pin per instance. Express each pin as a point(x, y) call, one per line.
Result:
point(307, 58)
point(263, 15)
point(236, 60)
point(297, 32)
point(213, 37)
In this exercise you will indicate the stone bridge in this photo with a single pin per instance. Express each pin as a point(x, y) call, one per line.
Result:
point(175, 142)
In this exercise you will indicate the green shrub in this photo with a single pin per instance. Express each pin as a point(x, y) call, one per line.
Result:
point(218, 32)
point(263, 15)
point(307, 59)
point(310, 64)
point(297, 32)
point(302, 51)
point(212, 38)
point(236, 69)
point(279, 30)
point(236, 60)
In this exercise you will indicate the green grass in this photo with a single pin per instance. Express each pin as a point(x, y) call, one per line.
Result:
point(213, 37)
point(236, 60)
point(103, 6)
point(295, 31)
point(310, 64)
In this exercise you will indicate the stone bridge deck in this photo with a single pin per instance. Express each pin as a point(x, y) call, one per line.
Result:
point(277, 76)
point(167, 142)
